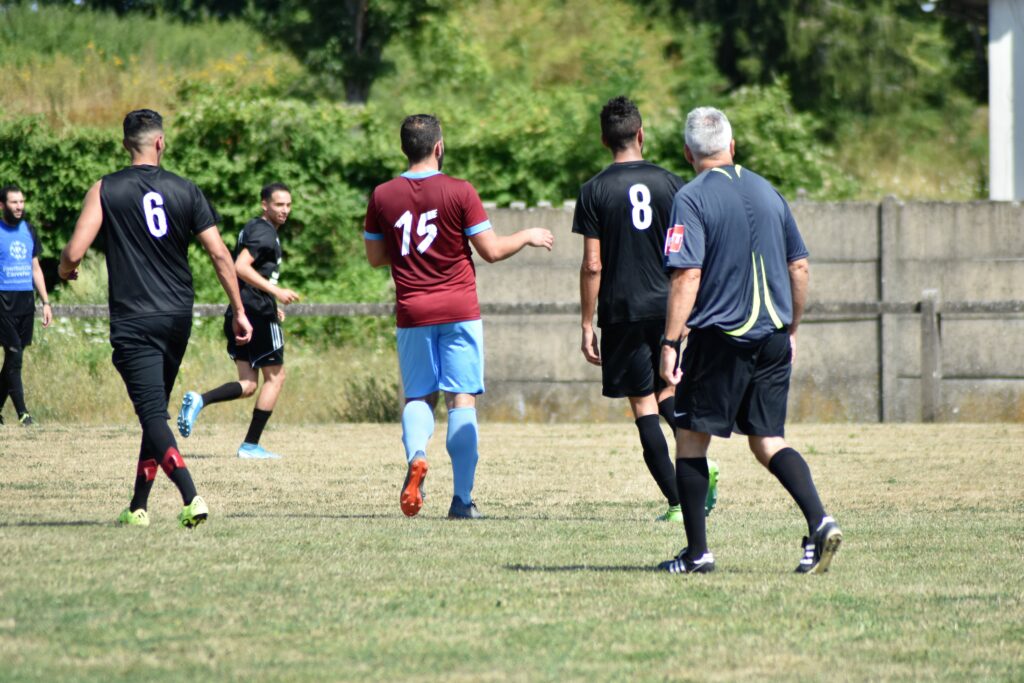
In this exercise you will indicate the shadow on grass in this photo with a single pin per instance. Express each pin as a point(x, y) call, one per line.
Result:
point(56, 523)
point(261, 515)
point(579, 568)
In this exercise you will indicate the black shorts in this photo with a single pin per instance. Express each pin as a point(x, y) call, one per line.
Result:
point(630, 355)
point(729, 386)
point(266, 346)
point(148, 353)
point(16, 330)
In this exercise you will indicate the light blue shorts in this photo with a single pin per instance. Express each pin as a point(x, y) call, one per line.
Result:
point(449, 357)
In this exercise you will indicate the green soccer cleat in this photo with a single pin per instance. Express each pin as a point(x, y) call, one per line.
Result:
point(138, 518)
point(673, 514)
point(194, 514)
point(25, 420)
point(712, 499)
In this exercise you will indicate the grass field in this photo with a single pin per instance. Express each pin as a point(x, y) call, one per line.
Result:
point(308, 571)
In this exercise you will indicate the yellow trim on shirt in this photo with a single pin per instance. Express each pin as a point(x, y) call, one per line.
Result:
point(755, 309)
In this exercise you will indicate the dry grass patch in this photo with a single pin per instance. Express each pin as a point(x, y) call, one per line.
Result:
point(308, 571)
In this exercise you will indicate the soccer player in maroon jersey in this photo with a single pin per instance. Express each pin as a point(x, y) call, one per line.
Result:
point(422, 225)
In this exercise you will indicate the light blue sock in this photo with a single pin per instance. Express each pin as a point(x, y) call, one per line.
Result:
point(462, 444)
point(417, 427)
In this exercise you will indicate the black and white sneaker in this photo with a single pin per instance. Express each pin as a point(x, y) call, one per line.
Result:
point(681, 564)
point(820, 548)
point(459, 510)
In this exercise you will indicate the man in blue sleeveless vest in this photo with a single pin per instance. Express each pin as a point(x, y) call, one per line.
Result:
point(19, 271)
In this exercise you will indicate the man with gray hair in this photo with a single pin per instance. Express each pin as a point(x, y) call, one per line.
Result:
point(739, 278)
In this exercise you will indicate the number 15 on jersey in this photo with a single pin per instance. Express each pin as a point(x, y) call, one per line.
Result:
point(424, 229)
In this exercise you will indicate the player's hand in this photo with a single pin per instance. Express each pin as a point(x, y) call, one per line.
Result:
point(670, 370)
point(792, 349)
point(280, 315)
point(286, 296)
point(67, 275)
point(590, 347)
point(47, 315)
point(242, 328)
point(540, 237)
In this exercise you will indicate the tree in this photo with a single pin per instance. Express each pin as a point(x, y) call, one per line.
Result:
point(842, 56)
point(342, 41)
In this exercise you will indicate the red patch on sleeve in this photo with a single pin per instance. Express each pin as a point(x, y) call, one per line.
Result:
point(674, 240)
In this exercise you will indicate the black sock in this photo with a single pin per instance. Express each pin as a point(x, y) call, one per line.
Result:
point(656, 456)
point(792, 471)
point(11, 371)
point(259, 421)
point(692, 480)
point(225, 392)
point(157, 437)
point(145, 475)
point(667, 409)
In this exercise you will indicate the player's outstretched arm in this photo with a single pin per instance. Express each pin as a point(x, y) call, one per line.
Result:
point(493, 247)
point(86, 228)
point(590, 285)
point(246, 273)
point(225, 267)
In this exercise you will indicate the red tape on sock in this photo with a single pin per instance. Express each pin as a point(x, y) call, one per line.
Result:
point(172, 461)
point(147, 469)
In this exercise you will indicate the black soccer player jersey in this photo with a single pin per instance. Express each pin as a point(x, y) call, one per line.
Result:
point(260, 238)
point(626, 206)
point(149, 216)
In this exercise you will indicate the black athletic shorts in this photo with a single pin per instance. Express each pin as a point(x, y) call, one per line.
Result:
point(148, 353)
point(266, 346)
point(16, 330)
point(729, 386)
point(630, 356)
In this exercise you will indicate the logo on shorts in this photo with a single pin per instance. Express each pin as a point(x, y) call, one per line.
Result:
point(674, 242)
point(19, 250)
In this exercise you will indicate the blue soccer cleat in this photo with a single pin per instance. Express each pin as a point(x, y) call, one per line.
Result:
point(254, 451)
point(191, 404)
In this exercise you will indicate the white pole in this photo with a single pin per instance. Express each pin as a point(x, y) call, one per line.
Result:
point(1006, 99)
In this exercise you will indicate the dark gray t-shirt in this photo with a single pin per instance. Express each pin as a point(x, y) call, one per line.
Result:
point(733, 225)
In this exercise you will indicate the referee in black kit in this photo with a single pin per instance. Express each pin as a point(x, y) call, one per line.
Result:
point(148, 216)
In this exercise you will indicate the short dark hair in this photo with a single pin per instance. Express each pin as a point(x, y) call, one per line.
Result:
point(420, 132)
point(139, 123)
point(267, 193)
point(620, 121)
point(7, 189)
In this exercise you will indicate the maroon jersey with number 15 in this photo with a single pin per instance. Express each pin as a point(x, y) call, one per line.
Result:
point(426, 220)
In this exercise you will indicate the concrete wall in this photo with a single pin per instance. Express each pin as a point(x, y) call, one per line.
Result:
point(851, 367)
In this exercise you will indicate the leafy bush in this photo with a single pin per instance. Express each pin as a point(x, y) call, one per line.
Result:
point(782, 144)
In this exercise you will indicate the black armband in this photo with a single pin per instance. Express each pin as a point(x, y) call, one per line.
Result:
point(673, 343)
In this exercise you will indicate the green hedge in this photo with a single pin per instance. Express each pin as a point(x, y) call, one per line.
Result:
point(522, 146)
